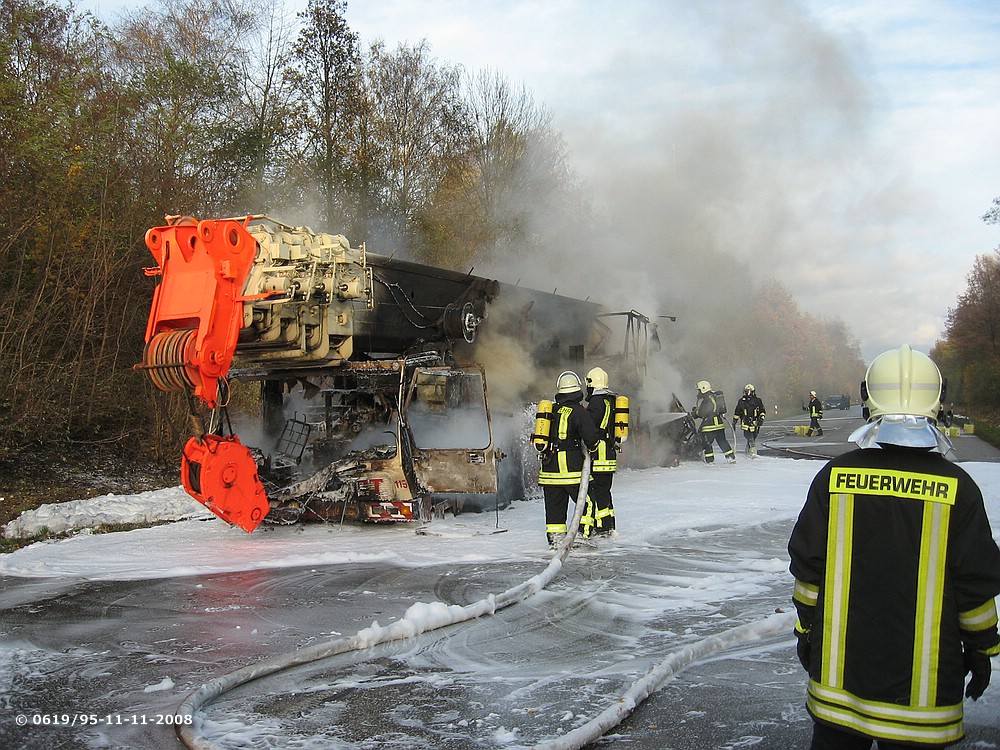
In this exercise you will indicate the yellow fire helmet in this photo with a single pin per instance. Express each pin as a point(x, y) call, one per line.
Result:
point(902, 392)
point(597, 379)
point(568, 382)
point(704, 386)
point(902, 381)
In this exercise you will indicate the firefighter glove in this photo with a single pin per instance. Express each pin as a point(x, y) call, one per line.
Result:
point(803, 648)
point(978, 664)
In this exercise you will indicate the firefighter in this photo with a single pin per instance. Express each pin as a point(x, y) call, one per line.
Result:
point(895, 574)
point(750, 413)
point(711, 409)
point(815, 409)
point(599, 517)
point(561, 470)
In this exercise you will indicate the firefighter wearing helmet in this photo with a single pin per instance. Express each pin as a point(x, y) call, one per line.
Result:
point(815, 409)
point(750, 414)
point(570, 431)
point(896, 571)
point(711, 409)
point(599, 518)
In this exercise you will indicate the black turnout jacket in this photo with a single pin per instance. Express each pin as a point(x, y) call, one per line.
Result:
point(896, 571)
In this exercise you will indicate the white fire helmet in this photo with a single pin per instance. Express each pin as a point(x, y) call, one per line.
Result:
point(812, 393)
point(748, 389)
point(704, 386)
point(568, 382)
point(597, 379)
point(902, 381)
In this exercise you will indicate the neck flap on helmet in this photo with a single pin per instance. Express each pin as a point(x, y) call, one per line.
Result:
point(904, 430)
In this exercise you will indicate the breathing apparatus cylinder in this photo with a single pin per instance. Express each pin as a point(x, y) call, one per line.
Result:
point(621, 418)
point(543, 426)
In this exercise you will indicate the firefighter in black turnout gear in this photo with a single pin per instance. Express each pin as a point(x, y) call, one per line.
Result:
point(750, 414)
point(815, 409)
point(711, 409)
point(570, 431)
point(599, 517)
point(896, 571)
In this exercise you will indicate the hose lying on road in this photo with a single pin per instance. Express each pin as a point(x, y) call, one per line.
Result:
point(419, 618)
point(619, 710)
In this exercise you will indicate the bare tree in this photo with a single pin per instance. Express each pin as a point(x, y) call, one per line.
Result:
point(184, 65)
point(513, 169)
point(509, 179)
point(268, 140)
point(414, 129)
point(993, 215)
point(326, 76)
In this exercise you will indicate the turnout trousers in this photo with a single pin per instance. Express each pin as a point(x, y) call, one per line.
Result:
point(716, 436)
point(601, 509)
point(830, 738)
point(557, 499)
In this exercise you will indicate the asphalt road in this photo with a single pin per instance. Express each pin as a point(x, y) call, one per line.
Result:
point(778, 438)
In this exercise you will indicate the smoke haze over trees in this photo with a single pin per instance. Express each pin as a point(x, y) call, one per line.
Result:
point(210, 108)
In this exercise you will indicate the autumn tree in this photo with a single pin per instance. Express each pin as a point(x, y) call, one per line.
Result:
point(65, 252)
point(970, 353)
point(217, 108)
point(784, 351)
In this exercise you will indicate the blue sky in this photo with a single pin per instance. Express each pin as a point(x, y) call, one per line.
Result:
point(846, 148)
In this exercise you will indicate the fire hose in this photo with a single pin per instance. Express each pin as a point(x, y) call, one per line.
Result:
point(422, 617)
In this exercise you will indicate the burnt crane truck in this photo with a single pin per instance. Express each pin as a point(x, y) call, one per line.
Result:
point(371, 372)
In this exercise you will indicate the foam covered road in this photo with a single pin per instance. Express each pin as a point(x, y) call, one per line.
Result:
point(531, 672)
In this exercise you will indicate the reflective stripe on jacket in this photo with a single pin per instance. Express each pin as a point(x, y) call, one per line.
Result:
point(708, 409)
point(816, 408)
point(601, 408)
point(571, 426)
point(895, 573)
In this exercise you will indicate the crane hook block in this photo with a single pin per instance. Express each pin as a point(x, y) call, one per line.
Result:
point(220, 473)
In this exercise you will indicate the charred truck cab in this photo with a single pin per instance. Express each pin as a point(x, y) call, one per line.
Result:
point(363, 459)
point(373, 393)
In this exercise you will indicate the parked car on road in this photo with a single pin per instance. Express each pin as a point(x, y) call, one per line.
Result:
point(843, 401)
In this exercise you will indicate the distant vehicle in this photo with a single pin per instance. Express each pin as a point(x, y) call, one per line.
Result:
point(843, 401)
